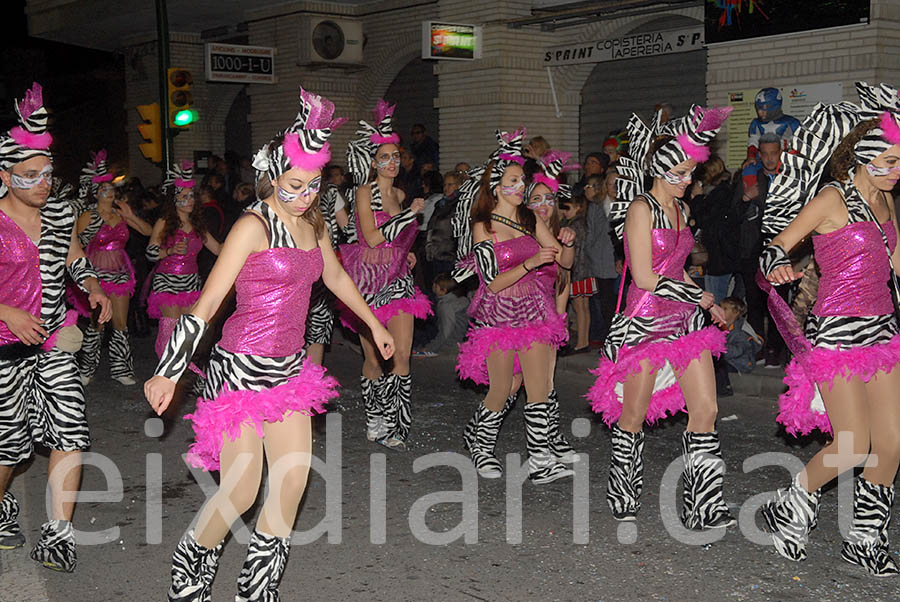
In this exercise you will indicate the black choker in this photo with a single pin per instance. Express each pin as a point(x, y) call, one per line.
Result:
point(508, 222)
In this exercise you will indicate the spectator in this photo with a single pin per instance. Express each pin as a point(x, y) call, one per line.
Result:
point(243, 196)
point(594, 164)
point(214, 219)
point(609, 188)
point(440, 245)
point(461, 168)
point(424, 149)
point(742, 343)
point(451, 317)
point(613, 146)
point(335, 178)
point(750, 194)
point(718, 219)
point(583, 286)
point(601, 261)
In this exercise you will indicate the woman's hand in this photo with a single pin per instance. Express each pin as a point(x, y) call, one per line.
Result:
point(544, 256)
point(98, 297)
point(384, 342)
point(707, 300)
point(417, 205)
point(25, 326)
point(124, 209)
point(159, 391)
point(179, 248)
point(411, 260)
point(566, 236)
point(783, 275)
point(718, 315)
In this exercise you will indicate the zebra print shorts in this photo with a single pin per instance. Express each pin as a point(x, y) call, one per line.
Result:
point(41, 401)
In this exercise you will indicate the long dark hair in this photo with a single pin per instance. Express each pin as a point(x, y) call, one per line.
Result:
point(173, 222)
point(486, 201)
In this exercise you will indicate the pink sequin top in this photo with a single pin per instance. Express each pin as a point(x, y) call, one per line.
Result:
point(272, 290)
point(373, 268)
point(524, 303)
point(668, 259)
point(20, 273)
point(855, 270)
point(106, 251)
point(182, 264)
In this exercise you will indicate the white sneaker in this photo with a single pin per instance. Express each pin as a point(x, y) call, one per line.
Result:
point(85, 379)
point(125, 380)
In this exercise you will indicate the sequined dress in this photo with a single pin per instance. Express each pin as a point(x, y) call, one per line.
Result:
point(106, 252)
point(176, 278)
point(258, 371)
point(669, 334)
point(512, 319)
point(852, 327)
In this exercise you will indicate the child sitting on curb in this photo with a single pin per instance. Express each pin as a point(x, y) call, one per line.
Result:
point(451, 317)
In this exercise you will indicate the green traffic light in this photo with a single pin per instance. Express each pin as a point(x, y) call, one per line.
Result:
point(185, 117)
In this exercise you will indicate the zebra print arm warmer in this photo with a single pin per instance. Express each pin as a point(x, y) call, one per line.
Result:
point(152, 252)
point(677, 290)
point(181, 346)
point(773, 257)
point(486, 260)
point(80, 270)
point(392, 228)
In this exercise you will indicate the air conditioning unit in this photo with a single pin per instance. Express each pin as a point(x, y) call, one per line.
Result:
point(330, 41)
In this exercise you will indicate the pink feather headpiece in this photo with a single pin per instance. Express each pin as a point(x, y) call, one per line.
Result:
point(889, 128)
point(302, 159)
point(29, 136)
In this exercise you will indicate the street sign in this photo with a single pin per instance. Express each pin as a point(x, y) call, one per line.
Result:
point(240, 64)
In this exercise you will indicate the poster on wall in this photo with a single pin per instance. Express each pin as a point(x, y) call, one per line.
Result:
point(729, 20)
point(453, 41)
point(796, 100)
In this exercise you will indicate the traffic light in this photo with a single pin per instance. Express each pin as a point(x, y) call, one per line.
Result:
point(151, 131)
point(181, 115)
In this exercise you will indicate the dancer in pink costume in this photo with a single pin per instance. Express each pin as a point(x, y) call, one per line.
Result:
point(41, 395)
point(260, 388)
point(657, 359)
point(103, 230)
point(380, 263)
point(176, 241)
point(516, 321)
point(843, 377)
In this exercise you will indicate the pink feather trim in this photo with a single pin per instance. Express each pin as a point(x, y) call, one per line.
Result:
point(890, 130)
point(77, 300)
point(108, 177)
point(665, 402)
point(379, 139)
point(321, 112)
point(554, 154)
point(383, 109)
point(418, 306)
point(825, 365)
point(34, 100)
point(156, 301)
point(713, 118)
point(225, 416)
point(186, 165)
point(697, 152)
point(547, 181)
point(514, 158)
point(125, 289)
point(70, 319)
point(510, 136)
point(471, 362)
point(303, 160)
point(29, 140)
point(184, 183)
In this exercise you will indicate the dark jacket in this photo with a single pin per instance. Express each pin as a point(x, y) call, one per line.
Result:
point(439, 242)
point(750, 239)
point(719, 218)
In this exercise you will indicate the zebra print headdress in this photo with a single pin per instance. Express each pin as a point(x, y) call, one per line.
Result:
point(509, 151)
point(28, 139)
point(813, 144)
point(553, 163)
point(305, 142)
point(180, 175)
point(631, 169)
point(692, 134)
point(361, 151)
point(879, 102)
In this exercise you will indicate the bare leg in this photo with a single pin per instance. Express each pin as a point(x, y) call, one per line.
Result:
point(636, 398)
point(401, 328)
point(371, 368)
point(883, 394)
point(288, 446)
point(5, 476)
point(698, 384)
point(582, 321)
point(536, 372)
point(316, 352)
point(500, 373)
point(64, 483)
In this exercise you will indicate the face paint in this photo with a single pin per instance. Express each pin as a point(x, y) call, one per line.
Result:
point(514, 190)
point(23, 183)
point(284, 196)
point(184, 198)
point(384, 163)
point(548, 199)
point(312, 188)
point(877, 171)
point(675, 179)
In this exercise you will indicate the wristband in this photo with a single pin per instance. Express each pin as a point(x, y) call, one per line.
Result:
point(80, 270)
point(153, 252)
point(771, 258)
point(181, 346)
point(678, 290)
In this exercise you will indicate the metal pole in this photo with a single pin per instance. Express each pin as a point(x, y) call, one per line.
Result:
point(162, 46)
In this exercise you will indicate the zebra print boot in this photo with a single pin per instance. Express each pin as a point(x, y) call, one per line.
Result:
point(626, 474)
point(790, 516)
point(89, 355)
point(193, 570)
point(121, 365)
point(559, 447)
point(703, 500)
point(11, 536)
point(867, 542)
point(56, 548)
point(397, 397)
point(371, 394)
point(469, 432)
point(542, 467)
point(481, 439)
point(262, 571)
